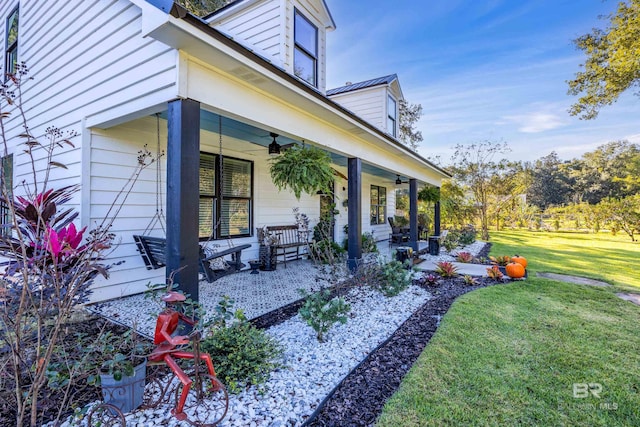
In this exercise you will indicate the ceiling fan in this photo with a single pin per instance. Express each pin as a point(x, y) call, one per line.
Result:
point(274, 148)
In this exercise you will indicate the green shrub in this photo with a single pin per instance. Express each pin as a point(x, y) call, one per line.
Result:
point(321, 312)
point(368, 243)
point(242, 354)
point(326, 251)
point(451, 241)
point(393, 279)
point(467, 235)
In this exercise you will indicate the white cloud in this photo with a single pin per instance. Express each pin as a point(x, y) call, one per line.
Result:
point(536, 122)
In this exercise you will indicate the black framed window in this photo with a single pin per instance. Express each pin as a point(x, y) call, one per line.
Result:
point(392, 116)
point(305, 50)
point(11, 43)
point(232, 214)
point(378, 205)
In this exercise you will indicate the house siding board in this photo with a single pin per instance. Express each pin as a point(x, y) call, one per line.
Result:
point(84, 58)
point(369, 104)
point(380, 232)
point(258, 26)
point(113, 157)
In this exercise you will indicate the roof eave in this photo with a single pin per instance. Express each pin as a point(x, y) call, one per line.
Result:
point(179, 12)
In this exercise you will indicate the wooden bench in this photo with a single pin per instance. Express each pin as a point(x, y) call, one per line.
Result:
point(153, 251)
point(289, 239)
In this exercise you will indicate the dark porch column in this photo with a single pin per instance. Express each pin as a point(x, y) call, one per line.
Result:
point(413, 214)
point(436, 219)
point(183, 158)
point(354, 216)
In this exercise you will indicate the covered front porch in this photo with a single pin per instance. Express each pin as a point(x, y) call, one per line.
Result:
point(184, 122)
point(255, 294)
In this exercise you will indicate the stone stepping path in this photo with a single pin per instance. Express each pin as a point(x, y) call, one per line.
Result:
point(634, 298)
point(574, 279)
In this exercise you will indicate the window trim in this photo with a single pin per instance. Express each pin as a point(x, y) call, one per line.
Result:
point(394, 118)
point(216, 234)
point(378, 205)
point(10, 50)
point(303, 50)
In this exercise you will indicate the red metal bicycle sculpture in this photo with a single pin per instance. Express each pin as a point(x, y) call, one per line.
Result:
point(200, 398)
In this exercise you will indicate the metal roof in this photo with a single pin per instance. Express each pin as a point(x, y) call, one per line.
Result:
point(362, 85)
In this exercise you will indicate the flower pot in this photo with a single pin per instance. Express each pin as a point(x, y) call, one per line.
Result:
point(127, 393)
point(268, 260)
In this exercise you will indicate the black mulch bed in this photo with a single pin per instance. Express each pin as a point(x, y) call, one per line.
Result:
point(359, 398)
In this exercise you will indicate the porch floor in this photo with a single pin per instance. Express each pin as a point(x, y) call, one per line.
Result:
point(255, 294)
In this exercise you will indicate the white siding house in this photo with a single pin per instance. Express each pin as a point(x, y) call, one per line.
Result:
point(113, 71)
point(374, 100)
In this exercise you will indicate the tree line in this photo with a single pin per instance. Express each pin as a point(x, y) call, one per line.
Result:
point(597, 191)
point(591, 193)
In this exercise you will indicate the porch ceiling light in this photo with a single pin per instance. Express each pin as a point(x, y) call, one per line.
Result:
point(274, 147)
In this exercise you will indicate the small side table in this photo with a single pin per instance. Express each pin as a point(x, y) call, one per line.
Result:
point(255, 265)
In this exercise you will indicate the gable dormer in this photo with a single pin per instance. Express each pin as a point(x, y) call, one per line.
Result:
point(290, 33)
point(376, 100)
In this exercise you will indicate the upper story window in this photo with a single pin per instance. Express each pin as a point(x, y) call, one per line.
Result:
point(11, 45)
point(392, 116)
point(305, 51)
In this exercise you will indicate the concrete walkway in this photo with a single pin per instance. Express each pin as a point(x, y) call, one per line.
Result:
point(463, 268)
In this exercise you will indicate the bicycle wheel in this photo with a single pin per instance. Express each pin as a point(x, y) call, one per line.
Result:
point(207, 402)
point(159, 385)
point(106, 415)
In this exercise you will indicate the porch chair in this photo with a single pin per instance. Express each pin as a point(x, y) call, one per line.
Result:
point(398, 235)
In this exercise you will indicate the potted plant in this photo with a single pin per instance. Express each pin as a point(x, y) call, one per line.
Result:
point(303, 169)
point(267, 253)
point(123, 369)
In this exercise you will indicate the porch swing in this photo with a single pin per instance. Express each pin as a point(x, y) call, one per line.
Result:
point(211, 262)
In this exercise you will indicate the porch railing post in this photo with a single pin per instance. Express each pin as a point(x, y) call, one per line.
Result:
point(413, 214)
point(354, 216)
point(183, 158)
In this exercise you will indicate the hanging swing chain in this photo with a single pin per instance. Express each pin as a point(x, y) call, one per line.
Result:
point(158, 217)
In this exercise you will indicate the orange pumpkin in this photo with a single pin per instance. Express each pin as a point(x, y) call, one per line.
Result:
point(515, 270)
point(520, 260)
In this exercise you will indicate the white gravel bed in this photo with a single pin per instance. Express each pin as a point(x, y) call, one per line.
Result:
point(474, 249)
point(312, 369)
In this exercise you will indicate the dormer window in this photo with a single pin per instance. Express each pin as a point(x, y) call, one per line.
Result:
point(305, 51)
point(11, 44)
point(392, 116)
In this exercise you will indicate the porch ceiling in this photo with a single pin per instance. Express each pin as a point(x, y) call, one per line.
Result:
point(232, 128)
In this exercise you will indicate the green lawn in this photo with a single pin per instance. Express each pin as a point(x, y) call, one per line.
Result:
point(511, 354)
point(598, 256)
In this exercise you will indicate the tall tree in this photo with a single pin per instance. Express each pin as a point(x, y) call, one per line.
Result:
point(409, 116)
point(550, 183)
point(612, 64)
point(474, 167)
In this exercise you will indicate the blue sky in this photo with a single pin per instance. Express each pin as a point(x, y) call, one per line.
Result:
point(482, 69)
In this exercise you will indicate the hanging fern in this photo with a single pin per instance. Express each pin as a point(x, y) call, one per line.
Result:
point(302, 169)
